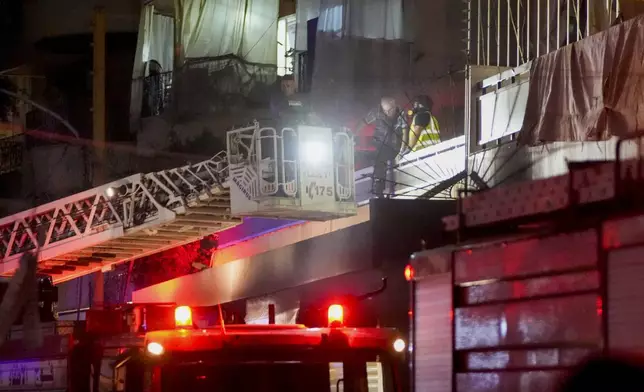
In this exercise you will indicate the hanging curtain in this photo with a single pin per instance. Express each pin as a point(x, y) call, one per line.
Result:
point(305, 11)
point(361, 55)
point(371, 19)
point(213, 28)
point(138, 69)
point(155, 43)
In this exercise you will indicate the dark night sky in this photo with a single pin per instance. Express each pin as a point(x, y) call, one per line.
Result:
point(10, 31)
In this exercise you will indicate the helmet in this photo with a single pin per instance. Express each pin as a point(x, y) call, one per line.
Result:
point(423, 101)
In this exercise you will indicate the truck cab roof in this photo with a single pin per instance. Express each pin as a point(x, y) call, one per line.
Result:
point(270, 336)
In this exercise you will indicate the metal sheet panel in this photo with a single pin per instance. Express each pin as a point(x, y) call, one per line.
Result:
point(622, 232)
point(355, 283)
point(385, 241)
point(527, 257)
point(433, 346)
point(571, 319)
point(525, 311)
point(501, 111)
point(625, 298)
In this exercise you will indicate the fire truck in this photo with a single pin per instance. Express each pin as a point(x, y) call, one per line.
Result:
point(541, 275)
point(164, 347)
point(272, 357)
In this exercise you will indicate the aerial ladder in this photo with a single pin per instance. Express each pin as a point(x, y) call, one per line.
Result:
point(303, 173)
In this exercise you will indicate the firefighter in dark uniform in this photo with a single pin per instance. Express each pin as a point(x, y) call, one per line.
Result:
point(288, 107)
point(388, 138)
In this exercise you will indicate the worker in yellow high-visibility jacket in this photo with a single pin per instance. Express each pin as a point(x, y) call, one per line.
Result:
point(424, 130)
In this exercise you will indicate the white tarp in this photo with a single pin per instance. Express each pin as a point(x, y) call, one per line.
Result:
point(371, 19)
point(205, 28)
point(212, 28)
point(155, 42)
point(305, 11)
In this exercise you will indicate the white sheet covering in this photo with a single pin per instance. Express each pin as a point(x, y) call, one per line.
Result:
point(155, 42)
point(205, 28)
point(246, 28)
point(372, 19)
point(305, 11)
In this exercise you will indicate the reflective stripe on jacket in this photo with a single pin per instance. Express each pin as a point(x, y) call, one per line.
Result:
point(428, 136)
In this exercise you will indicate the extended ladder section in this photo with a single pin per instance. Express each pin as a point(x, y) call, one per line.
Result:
point(129, 218)
point(586, 183)
point(303, 173)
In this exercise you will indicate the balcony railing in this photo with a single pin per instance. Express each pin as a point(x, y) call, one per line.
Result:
point(509, 33)
point(505, 36)
point(11, 153)
point(206, 85)
point(418, 174)
point(156, 93)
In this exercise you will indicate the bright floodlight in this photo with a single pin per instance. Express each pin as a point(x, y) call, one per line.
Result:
point(110, 192)
point(315, 153)
point(399, 345)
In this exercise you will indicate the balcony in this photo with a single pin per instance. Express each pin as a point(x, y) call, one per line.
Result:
point(211, 87)
point(504, 60)
point(205, 86)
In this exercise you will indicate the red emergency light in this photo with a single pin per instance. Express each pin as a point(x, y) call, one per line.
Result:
point(335, 315)
point(183, 317)
point(409, 273)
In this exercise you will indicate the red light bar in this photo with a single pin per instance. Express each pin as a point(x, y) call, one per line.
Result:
point(183, 316)
point(409, 273)
point(336, 315)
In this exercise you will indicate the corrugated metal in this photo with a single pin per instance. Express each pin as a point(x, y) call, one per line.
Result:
point(625, 299)
point(623, 231)
point(525, 311)
point(433, 346)
point(527, 257)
